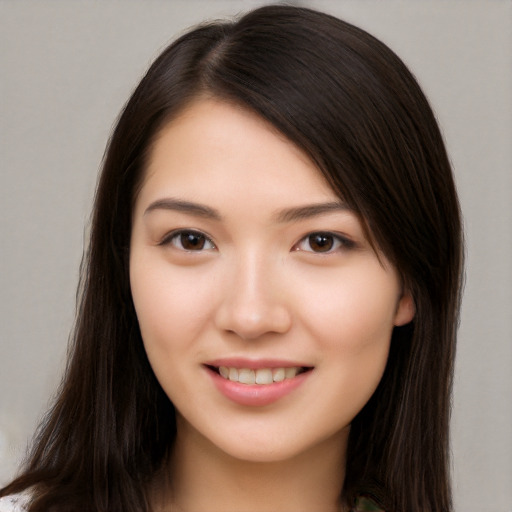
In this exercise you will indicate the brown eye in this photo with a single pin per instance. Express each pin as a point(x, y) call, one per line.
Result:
point(321, 242)
point(324, 242)
point(191, 241)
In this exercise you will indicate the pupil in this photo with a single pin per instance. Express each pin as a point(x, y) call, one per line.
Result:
point(192, 242)
point(321, 243)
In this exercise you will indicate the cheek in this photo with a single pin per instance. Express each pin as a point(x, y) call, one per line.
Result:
point(354, 312)
point(170, 309)
point(352, 319)
point(352, 325)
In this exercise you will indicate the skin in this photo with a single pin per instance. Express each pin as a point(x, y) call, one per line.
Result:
point(256, 286)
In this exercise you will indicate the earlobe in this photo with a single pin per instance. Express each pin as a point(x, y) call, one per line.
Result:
point(405, 310)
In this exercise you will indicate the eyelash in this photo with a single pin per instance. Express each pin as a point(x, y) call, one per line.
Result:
point(175, 237)
point(335, 241)
point(338, 242)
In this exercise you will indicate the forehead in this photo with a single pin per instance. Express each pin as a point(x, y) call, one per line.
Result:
point(223, 151)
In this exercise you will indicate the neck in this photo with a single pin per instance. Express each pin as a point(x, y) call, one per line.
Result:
point(203, 478)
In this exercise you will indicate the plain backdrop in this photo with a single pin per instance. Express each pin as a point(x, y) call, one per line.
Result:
point(66, 69)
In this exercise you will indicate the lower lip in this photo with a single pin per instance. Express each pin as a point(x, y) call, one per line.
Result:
point(256, 395)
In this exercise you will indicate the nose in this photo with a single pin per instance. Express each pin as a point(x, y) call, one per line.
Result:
point(252, 301)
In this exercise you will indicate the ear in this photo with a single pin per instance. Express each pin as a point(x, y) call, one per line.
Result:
point(405, 309)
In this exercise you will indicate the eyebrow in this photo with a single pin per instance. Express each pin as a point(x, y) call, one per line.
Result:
point(309, 211)
point(283, 216)
point(195, 209)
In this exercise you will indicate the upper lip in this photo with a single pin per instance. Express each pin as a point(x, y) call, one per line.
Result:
point(255, 364)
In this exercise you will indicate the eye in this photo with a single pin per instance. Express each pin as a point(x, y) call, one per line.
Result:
point(188, 240)
point(323, 242)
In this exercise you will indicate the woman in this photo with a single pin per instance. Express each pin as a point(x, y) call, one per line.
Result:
point(270, 297)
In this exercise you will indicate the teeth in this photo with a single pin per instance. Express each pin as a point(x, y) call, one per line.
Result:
point(279, 374)
point(264, 376)
point(246, 376)
point(260, 376)
point(289, 373)
point(233, 374)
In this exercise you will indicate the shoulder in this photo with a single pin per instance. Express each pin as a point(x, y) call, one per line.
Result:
point(14, 503)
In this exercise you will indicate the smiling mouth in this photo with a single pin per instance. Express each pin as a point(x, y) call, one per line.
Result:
point(260, 376)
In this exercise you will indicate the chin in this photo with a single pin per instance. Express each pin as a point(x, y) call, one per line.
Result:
point(263, 454)
point(274, 448)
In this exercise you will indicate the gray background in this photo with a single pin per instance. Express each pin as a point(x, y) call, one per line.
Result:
point(66, 69)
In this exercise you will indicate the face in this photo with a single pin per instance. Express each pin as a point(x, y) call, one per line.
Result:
point(265, 313)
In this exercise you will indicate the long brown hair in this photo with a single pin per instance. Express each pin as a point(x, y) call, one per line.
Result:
point(348, 101)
